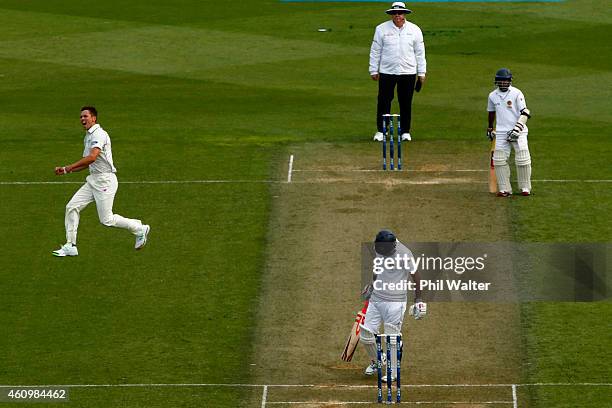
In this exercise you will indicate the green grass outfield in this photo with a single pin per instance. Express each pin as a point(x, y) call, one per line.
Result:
point(213, 91)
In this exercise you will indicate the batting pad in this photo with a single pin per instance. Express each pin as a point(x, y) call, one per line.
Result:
point(369, 342)
point(523, 169)
point(522, 158)
point(502, 170)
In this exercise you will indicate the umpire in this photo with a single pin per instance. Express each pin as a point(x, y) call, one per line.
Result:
point(397, 57)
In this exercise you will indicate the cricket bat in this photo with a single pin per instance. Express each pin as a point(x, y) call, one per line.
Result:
point(492, 177)
point(353, 339)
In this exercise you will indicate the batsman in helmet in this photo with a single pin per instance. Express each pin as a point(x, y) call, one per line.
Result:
point(388, 296)
point(508, 110)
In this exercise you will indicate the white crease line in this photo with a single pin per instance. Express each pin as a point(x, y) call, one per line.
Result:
point(290, 180)
point(571, 181)
point(393, 182)
point(325, 403)
point(564, 384)
point(301, 385)
point(387, 171)
point(514, 400)
point(290, 170)
point(11, 183)
point(264, 396)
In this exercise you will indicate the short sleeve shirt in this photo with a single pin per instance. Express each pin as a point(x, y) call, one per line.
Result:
point(507, 107)
point(97, 137)
point(391, 284)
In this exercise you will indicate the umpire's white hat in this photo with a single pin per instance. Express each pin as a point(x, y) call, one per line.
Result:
point(398, 6)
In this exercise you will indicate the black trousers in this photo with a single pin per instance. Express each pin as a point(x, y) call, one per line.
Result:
point(386, 92)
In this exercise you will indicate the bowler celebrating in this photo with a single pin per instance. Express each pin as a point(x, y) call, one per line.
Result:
point(100, 186)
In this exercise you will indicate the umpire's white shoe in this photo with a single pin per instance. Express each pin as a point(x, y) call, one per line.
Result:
point(378, 137)
point(141, 239)
point(66, 250)
point(406, 137)
point(373, 367)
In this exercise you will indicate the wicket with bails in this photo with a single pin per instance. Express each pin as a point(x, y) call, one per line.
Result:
point(388, 129)
point(398, 349)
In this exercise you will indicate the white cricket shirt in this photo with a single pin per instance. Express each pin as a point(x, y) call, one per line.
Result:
point(391, 285)
point(507, 107)
point(398, 51)
point(95, 136)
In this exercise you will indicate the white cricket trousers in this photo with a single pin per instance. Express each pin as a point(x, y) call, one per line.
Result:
point(100, 188)
point(521, 144)
point(384, 312)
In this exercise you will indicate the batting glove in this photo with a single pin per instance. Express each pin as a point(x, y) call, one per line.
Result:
point(514, 134)
point(490, 134)
point(418, 310)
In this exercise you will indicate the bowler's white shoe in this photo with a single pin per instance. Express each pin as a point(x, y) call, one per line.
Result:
point(406, 137)
point(66, 250)
point(141, 239)
point(378, 137)
point(373, 367)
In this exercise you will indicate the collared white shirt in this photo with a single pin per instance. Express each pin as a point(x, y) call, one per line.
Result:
point(95, 136)
point(507, 107)
point(398, 51)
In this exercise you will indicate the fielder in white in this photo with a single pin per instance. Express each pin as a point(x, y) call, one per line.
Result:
point(508, 109)
point(388, 296)
point(100, 186)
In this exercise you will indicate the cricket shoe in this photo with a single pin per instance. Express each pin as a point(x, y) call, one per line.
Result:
point(373, 367)
point(378, 137)
point(141, 239)
point(525, 192)
point(504, 194)
point(384, 378)
point(66, 250)
point(406, 137)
